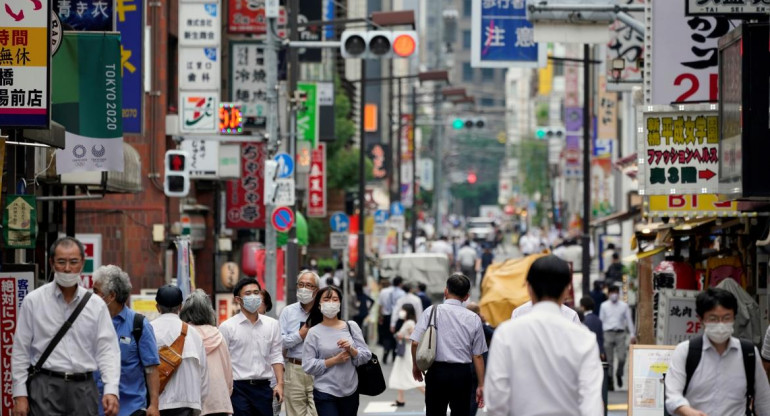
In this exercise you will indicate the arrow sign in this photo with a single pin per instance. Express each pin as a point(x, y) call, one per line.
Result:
point(339, 222)
point(20, 221)
point(706, 174)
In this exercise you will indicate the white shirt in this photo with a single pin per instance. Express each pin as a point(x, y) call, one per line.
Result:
point(189, 384)
point(466, 256)
point(254, 348)
point(718, 385)
point(385, 302)
point(411, 298)
point(441, 247)
point(526, 308)
point(91, 343)
point(616, 316)
point(531, 372)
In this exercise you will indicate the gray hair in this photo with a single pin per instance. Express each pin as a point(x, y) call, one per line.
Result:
point(114, 280)
point(66, 241)
point(197, 309)
point(314, 274)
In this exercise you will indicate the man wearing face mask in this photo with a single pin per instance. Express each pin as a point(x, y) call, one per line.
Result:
point(723, 367)
point(616, 318)
point(299, 385)
point(62, 382)
point(255, 345)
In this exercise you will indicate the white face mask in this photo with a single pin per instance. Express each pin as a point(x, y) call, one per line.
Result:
point(330, 309)
point(402, 314)
point(614, 297)
point(719, 332)
point(304, 295)
point(66, 279)
point(251, 303)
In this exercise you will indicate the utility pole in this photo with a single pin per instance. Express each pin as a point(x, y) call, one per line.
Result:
point(271, 67)
point(292, 255)
point(414, 169)
point(361, 263)
point(586, 237)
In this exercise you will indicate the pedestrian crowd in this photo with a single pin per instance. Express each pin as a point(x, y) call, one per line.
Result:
point(77, 352)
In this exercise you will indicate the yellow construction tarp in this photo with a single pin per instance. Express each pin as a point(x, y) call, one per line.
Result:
point(504, 288)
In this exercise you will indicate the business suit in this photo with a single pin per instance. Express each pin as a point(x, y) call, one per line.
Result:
point(595, 325)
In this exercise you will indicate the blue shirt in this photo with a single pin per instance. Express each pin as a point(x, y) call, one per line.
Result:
point(133, 390)
point(460, 333)
point(291, 320)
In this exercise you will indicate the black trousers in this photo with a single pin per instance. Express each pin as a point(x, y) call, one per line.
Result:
point(448, 384)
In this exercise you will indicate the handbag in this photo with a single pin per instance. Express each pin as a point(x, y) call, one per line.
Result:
point(401, 348)
point(426, 349)
point(170, 358)
point(371, 382)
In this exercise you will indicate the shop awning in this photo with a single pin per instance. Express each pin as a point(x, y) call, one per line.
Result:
point(616, 217)
point(128, 181)
point(54, 136)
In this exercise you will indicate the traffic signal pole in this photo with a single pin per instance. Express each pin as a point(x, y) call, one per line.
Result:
point(414, 169)
point(586, 237)
point(361, 263)
point(271, 67)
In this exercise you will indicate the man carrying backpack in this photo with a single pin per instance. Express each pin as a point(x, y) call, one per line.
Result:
point(716, 374)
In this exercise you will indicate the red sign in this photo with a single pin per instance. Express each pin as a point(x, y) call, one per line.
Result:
point(248, 16)
point(245, 203)
point(283, 219)
point(8, 308)
point(316, 183)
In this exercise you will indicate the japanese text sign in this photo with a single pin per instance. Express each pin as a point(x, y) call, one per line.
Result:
point(20, 221)
point(130, 24)
point(204, 158)
point(307, 119)
point(407, 152)
point(727, 7)
point(502, 37)
point(679, 150)
point(24, 64)
point(15, 283)
point(245, 196)
point(199, 24)
point(199, 68)
point(248, 85)
point(684, 55)
point(628, 45)
point(607, 117)
point(316, 180)
point(248, 16)
point(677, 320)
point(89, 15)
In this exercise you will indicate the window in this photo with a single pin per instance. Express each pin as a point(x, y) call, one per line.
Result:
point(487, 74)
point(467, 8)
point(466, 39)
point(487, 102)
point(467, 72)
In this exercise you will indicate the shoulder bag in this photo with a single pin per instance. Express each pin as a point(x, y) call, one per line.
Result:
point(371, 382)
point(171, 358)
point(426, 349)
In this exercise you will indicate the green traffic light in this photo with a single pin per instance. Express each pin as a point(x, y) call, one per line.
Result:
point(458, 124)
point(540, 134)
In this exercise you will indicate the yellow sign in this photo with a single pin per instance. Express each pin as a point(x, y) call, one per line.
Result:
point(692, 206)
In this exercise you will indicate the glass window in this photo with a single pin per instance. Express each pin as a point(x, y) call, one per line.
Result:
point(467, 72)
point(487, 102)
point(466, 39)
point(467, 8)
point(487, 74)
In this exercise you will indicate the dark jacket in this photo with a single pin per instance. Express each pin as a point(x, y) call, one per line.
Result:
point(593, 323)
point(598, 296)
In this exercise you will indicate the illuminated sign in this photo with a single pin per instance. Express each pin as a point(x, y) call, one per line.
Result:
point(230, 118)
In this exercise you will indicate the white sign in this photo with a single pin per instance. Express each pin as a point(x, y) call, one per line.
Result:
point(248, 84)
point(338, 241)
point(229, 161)
point(199, 111)
point(284, 194)
point(407, 193)
point(628, 45)
point(325, 91)
point(398, 223)
point(677, 320)
point(380, 230)
point(199, 24)
point(204, 158)
point(684, 61)
point(426, 173)
point(199, 68)
point(727, 7)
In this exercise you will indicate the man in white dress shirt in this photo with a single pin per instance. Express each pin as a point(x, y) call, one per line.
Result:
point(616, 318)
point(529, 369)
point(718, 386)
point(185, 390)
point(565, 310)
point(255, 345)
point(64, 385)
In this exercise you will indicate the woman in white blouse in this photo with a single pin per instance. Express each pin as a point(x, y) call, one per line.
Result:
point(401, 377)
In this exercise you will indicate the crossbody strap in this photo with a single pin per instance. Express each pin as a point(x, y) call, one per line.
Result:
point(178, 345)
point(62, 331)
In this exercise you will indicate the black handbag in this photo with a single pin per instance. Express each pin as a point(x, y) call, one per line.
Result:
point(371, 382)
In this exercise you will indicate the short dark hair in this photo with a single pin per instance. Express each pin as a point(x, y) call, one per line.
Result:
point(245, 282)
point(587, 303)
point(422, 286)
point(713, 297)
point(316, 317)
point(328, 269)
point(407, 287)
point(615, 256)
point(549, 276)
point(398, 281)
point(598, 284)
point(613, 289)
point(266, 299)
point(459, 285)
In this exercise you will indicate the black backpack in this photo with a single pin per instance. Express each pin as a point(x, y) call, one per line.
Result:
point(749, 361)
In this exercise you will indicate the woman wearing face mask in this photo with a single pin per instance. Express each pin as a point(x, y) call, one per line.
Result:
point(333, 348)
point(401, 377)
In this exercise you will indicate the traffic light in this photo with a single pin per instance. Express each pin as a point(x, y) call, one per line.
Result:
point(177, 174)
point(468, 123)
point(472, 178)
point(378, 44)
point(549, 132)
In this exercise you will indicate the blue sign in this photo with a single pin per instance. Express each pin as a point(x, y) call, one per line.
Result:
point(129, 22)
point(285, 165)
point(380, 216)
point(87, 15)
point(339, 222)
point(397, 209)
point(502, 36)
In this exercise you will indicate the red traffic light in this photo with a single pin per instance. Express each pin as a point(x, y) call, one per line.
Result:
point(472, 178)
point(176, 162)
point(404, 44)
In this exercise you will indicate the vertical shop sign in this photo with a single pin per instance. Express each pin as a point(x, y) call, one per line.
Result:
point(25, 38)
point(316, 183)
point(606, 122)
point(627, 45)
point(407, 153)
point(307, 120)
point(130, 23)
point(16, 281)
point(248, 85)
point(88, 15)
point(245, 196)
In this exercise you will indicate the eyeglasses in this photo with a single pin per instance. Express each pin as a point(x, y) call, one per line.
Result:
point(715, 319)
point(65, 262)
point(306, 286)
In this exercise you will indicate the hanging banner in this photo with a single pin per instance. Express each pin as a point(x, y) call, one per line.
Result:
point(627, 45)
point(248, 85)
point(602, 188)
point(183, 265)
point(16, 281)
point(245, 198)
point(407, 152)
point(307, 120)
point(607, 116)
point(683, 63)
point(130, 24)
point(679, 150)
point(316, 183)
point(25, 38)
point(89, 15)
point(502, 37)
point(379, 153)
point(87, 101)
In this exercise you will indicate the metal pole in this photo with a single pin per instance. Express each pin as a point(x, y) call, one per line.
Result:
point(292, 255)
point(398, 143)
point(391, 148)
point(361, 263)
point(271, 64)
point(414, 169)
point(586, 238)
point(346, 286)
